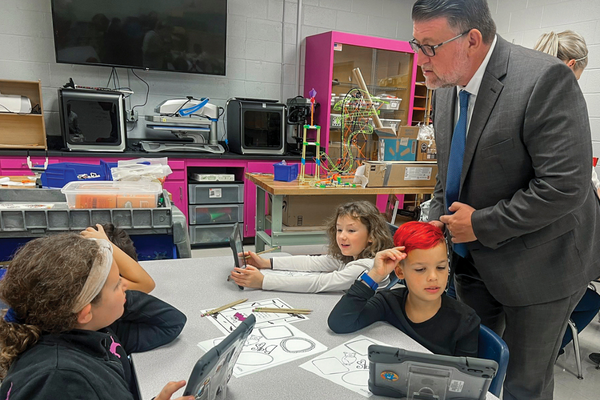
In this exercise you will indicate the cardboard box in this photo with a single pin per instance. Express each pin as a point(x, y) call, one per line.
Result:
point(315, 210)
point(400, 173)
point(401, 149)
point(426, 150)
point(411, 132)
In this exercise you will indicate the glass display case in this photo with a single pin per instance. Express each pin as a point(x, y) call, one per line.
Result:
point(388, 68)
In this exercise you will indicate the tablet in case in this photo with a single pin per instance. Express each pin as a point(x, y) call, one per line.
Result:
point(213, 370)
point(400, 373)
point(237, 246)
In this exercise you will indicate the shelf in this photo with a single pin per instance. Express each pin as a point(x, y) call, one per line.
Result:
point(23, 131)
point(370, 87)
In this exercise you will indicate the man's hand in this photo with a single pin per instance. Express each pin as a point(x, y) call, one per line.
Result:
point(459, 224)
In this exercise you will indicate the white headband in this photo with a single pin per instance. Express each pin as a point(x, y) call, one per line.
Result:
point(97, 277)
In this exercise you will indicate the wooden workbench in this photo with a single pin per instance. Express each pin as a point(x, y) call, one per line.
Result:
point(281, 235)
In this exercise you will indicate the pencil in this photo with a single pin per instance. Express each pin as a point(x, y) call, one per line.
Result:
point(225, 307)
point(264, 251)
point(283, 310)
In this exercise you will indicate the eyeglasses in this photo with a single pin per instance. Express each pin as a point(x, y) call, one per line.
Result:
point(429, 50)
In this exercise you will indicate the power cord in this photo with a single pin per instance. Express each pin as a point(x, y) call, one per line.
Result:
point(147, 91)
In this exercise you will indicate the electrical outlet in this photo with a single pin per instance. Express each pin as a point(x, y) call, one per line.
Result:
point(132, 115)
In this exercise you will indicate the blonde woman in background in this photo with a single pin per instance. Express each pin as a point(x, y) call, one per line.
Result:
point(570, 48)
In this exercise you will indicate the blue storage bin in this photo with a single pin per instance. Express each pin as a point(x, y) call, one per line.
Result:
point(285, 172)
point(154, 247)
point(59, 174)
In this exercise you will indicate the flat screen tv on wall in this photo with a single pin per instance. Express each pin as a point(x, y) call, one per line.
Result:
point(164, 35)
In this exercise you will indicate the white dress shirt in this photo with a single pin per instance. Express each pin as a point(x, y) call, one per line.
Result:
point(473, 86)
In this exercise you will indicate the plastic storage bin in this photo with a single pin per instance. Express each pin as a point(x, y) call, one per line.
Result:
point(285, 172)
point(146, 226)
point(216, 214)
point(108, 194)
point(59, 174)
point(216, 193)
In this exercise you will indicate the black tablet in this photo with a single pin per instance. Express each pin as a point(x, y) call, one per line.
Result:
point(236, 244)
point(214, 369)
point(400, 373)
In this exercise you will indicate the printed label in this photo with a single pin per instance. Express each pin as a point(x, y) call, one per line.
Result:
point(215, 193)
point(337, 47)
point(456, 386)
point(417, 173)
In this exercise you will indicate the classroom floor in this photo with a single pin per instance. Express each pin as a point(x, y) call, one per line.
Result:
point(566, 384)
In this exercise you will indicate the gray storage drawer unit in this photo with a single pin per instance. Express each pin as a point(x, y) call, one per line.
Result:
point(210, 234)
point(214, 207)
point(216, 214)
point(216, 193)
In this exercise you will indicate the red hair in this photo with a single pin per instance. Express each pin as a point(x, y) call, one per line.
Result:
point(418, 235)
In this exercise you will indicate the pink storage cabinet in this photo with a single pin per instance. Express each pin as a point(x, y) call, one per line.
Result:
point(389, 68)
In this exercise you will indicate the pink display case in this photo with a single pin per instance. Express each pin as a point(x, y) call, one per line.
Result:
point(389, 68)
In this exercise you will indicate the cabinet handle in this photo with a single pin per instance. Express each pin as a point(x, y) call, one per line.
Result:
point(180, 193)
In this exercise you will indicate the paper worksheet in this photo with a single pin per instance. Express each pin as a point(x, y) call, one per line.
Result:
point(229, 319)
point(270, 345)
point(347, 364)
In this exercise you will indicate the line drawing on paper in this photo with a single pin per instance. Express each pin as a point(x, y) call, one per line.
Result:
point(297, 345)
point(347, 364)
point(330, 365)
point(360, 346)
point(227, 320)
point(357, 378)
point(271, 345)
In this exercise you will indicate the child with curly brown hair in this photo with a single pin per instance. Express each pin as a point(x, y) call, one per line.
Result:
point(71, 323)
point(356, 233)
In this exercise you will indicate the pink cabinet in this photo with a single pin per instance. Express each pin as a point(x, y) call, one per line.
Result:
point(389, 69)
point(176, 184)
point(17, 166)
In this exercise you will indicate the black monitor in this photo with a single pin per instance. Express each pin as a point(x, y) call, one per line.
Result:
point(174, 35)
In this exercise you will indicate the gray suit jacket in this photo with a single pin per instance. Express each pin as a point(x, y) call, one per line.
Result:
point(527, 172)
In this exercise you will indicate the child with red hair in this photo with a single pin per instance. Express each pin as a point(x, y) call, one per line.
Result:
point(421, 309)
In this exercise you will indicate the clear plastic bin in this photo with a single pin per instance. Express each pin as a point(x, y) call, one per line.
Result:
point(109, 194)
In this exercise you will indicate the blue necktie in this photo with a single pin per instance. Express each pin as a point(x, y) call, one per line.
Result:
point(457, 151)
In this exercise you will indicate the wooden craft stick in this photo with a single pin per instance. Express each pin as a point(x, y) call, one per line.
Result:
point(225, 307)
point(264, 251)
point(283, 310)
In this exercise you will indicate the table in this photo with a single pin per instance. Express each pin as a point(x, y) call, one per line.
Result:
point(277, 190)
point(194, 284)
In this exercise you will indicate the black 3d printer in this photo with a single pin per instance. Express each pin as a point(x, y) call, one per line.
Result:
point(298, 115)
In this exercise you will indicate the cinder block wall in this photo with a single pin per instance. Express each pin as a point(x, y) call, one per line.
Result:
point(261, 51)
point(261, 47)
point(523, 21)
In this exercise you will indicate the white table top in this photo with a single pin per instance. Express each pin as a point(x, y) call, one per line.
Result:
point(200, 283)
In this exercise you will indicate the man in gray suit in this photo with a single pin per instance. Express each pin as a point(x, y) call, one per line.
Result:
point(514, 185)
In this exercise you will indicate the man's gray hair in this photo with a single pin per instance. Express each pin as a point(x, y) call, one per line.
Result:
point(462, 15)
